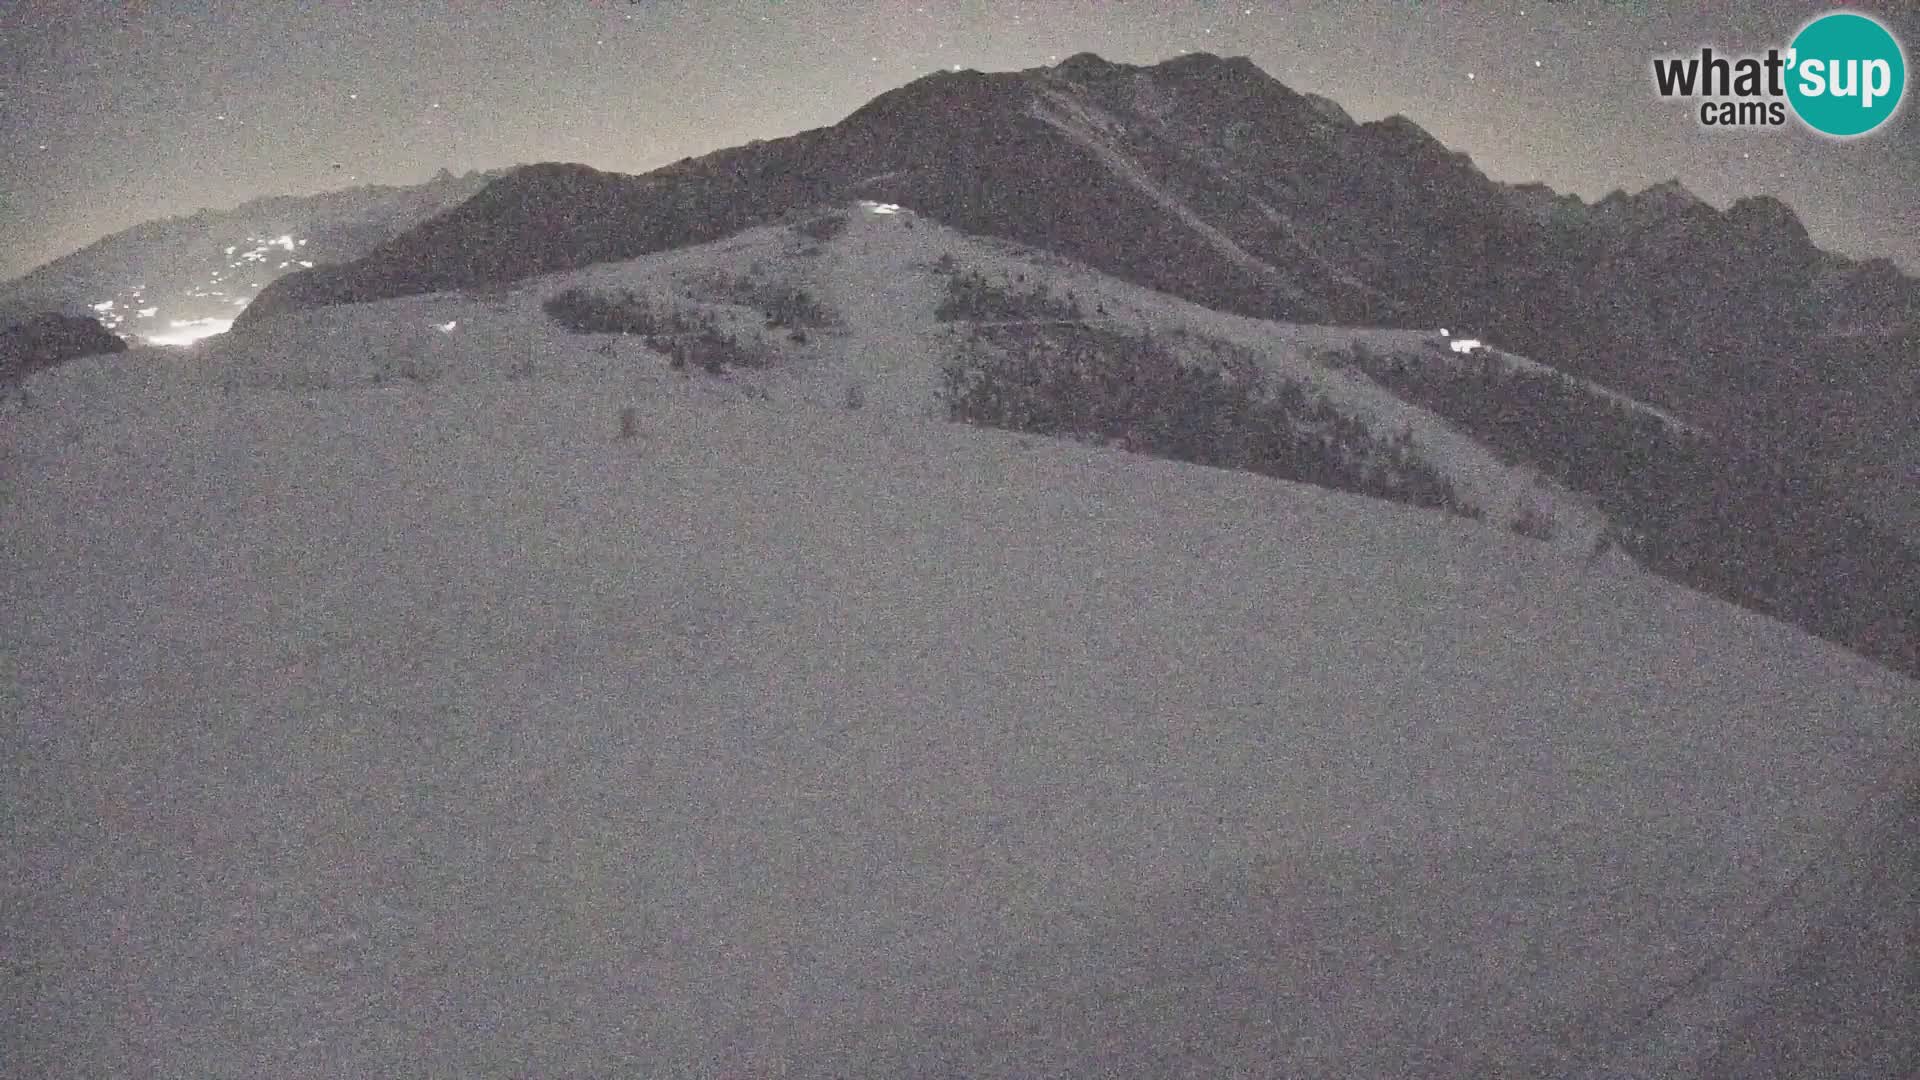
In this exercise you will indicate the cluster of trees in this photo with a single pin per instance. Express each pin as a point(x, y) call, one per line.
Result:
point(792, 307)
point(686, 338)
point(785, 305)
point(972, 295)
point(1098, 384)
point(585, 311)
point(822, 228)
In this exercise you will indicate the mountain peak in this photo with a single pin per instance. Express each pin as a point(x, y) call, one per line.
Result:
point(1768, 215)
point(1666, 200)
point(1087, 65)
point(1207, 69)
point(1668, 195)
point(1403, 130)
point(1544, 206)
point(1402, 136)
point(1205, 60)
point(1330, 109)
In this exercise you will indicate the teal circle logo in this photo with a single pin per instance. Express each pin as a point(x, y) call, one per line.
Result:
point(1846, 74)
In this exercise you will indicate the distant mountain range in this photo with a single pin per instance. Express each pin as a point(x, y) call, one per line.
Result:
point(1206, 178)
point(1233, 190)
point(183, 277)
point(1201, 177)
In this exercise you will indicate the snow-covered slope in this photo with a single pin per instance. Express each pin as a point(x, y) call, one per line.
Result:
point(1579, 467)
point(425, 726)
point(878, 278)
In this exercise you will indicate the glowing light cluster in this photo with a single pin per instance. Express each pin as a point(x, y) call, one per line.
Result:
point(133, 303)
point(188, 331)
point(105, 312)
point(263, 250)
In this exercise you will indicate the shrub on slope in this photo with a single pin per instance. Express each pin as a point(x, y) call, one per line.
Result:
point(972, 296)
point(822, 228)
point(784, 304)
point(685, 339)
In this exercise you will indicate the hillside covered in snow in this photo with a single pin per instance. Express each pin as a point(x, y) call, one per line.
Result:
point(1206, 178)
point(634, 671)
point(898, 304)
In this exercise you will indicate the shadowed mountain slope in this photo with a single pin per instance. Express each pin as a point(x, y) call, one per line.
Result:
point(1208, 179)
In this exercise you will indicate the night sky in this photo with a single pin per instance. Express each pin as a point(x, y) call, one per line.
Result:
point(116, 113)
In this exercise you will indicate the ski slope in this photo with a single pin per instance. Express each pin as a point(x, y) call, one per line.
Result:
point(428, 728)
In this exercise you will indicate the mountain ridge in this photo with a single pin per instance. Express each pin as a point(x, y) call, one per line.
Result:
point(1206, 178)
point(890, 139)
point(1067, 351)
point(1241, 194)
